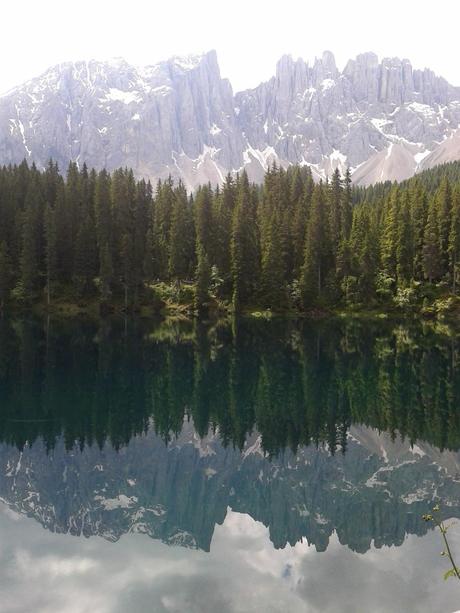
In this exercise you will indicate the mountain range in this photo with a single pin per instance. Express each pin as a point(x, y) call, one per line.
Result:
point(383, 119)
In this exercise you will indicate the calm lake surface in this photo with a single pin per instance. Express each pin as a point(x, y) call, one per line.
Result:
point(264, 466)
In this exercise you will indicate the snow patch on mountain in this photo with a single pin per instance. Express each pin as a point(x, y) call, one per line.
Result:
point(385, 120)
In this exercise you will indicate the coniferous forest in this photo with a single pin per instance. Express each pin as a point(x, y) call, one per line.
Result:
point(291, 244)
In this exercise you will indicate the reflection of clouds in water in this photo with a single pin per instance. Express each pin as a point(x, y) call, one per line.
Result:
point(46, 573)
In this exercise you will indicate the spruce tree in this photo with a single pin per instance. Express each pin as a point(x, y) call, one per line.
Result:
point(204, 223)
point(317, 251)
point(223, 212)
point(389, 233)
point(300, 221)
point(364, 254)
point(105, 274)
point(203, 278)
point(432, 258)
point(162, 213)
point(6, 275)
point(51, 251)
point(335, 211)
point(272, 291)
point(443, 200)
point(346, 207)
point(31, 240)
point(418, 205)
point(454, 238)
point(404, 245)
point(244, 247)
point(85, 259)
point(148, 267)
point(179, 251)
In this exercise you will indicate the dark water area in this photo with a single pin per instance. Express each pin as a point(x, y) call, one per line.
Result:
point(275, 466)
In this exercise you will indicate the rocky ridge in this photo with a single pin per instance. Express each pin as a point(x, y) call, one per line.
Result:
point(383, 119)
point(375, 493)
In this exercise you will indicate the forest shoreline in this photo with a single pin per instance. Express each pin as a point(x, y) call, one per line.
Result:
point(185, 312)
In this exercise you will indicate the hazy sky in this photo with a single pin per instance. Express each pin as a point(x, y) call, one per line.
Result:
point(249, 35)
point(47, 572)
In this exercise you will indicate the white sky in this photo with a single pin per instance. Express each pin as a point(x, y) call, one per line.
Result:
point(249, 35)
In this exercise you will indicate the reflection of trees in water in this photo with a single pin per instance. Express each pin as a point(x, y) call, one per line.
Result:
point(296, 383)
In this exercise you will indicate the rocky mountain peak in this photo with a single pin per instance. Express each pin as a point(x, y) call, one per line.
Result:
point(325, 67)
point(180, 117)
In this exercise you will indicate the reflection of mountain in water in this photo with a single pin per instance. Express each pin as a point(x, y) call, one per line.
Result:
point(377, 491)
point(81, 403)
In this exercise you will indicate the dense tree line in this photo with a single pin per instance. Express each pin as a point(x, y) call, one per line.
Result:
point(429, 179)
point(288, 244)
point(294, 383)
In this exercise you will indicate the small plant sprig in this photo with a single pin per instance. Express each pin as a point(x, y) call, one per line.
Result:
point(443, 528)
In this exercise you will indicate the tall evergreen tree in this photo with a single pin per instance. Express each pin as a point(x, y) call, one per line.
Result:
point(444, 203)
point(244, 247)
point(179, 251)
point(432, 257)
point(335, 211)
point(203, 278)
point(6, 275)
point(454, 238)
point(162, 213)
point(404, 244)
point(317, 251)
point(32, 232)
point(51, 251)
point(389, 241)
point(300, 221)
point(273, 274)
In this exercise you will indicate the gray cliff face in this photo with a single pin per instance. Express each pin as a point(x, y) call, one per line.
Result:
point(385, 120)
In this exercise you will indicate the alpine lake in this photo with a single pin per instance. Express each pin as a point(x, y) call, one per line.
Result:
point(248, 466)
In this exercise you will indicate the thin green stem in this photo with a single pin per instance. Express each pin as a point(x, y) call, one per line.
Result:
point(443, 531)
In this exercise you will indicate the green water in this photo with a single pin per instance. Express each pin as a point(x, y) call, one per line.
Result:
point(264, 466)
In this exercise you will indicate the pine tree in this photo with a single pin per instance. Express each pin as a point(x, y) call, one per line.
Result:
point(335, 211)
point(244, 247)
point(300, 221)
point(31, 241)
point(273, 274)
point(343, 270)
point(6, 275)
point(103, 210)
point(142, 216)
point(454, 238)
point(317, 252)
point(404, 245)
point(51, 181)
point(204, 223)
point(162, 212)
point(128, 269)
point(364, 254)
point(432, 258)
point(418, 205)
point(73, 198)
point(85, 260)
point(148, 267)
point(443, 200)
point(51, 251)
point(390, 234)
point(179, 251)
point(346, 208)
point(223, 213)
point(203, 278)
point(106, 274)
